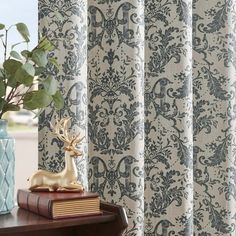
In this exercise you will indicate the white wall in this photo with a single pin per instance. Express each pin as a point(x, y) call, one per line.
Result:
point(26, 154)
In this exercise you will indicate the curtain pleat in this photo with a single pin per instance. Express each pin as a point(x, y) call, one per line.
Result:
point(116, 105)
point(152, 83)
point(168, 118)
point(214, 119)
point(65, 22)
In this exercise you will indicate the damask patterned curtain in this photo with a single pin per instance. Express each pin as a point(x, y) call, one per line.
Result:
point(65, 21)
point(152, 85)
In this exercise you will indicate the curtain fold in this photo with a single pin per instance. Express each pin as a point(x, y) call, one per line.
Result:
point(116, 105)
point(152, 83)
point(65, 22)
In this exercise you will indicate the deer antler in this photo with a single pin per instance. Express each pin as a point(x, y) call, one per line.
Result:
point(61, 130)
point(76, 140)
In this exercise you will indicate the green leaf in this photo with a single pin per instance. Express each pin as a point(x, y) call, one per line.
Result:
point(11, 66)
point(36, 100)
point(23, 30)
point(50, 85)
point(29, 68)
point(11, 81)
point(2, 26)
point(39, 57)
point(26, 53)
point(2, 88)
point(11, 107)
point(39, 70)
point(15, 54)
point(25, 74)
point(58, 100)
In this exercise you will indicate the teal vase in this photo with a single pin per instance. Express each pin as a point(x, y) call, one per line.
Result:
point(7, 169)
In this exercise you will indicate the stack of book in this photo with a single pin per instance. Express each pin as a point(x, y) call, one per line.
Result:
point(57, 205)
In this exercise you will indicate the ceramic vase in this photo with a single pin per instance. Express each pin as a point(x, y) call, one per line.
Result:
point(7, 169)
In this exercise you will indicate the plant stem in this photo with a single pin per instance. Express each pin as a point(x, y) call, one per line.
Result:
point(2, 42)
point(20, 95)
point(11, 94)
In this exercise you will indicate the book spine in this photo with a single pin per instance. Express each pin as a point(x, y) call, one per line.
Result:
point(34, 203)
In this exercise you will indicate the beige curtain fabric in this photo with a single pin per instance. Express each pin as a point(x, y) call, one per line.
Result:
point(152, 83)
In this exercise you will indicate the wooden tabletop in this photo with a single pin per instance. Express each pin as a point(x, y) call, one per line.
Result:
point(20, 221)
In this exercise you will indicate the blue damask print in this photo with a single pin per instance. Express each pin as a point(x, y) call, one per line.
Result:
point(107, 1)
point(161, 108)
point(116, 122)
point(114, 26)
point(116, 179)
point(213, 126)
point(66, 22)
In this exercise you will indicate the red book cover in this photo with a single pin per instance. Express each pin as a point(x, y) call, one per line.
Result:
point(56, 205)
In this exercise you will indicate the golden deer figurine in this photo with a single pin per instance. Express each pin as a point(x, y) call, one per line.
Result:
point(66, 180)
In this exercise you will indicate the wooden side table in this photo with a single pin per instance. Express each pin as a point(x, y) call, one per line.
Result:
point(20, 222)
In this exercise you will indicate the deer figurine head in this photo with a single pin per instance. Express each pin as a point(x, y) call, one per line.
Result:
point(66, 180)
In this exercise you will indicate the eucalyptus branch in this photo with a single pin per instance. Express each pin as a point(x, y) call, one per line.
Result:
point(19, 75)
point(22, 93)
point(16, 44)
point(11, 94)
point(2, 42)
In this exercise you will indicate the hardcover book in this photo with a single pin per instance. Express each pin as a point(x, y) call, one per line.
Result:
point(56, 205)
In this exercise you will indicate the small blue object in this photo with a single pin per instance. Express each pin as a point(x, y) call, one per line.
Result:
point(7, 169)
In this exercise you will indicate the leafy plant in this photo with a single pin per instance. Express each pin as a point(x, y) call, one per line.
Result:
point(24, 81)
